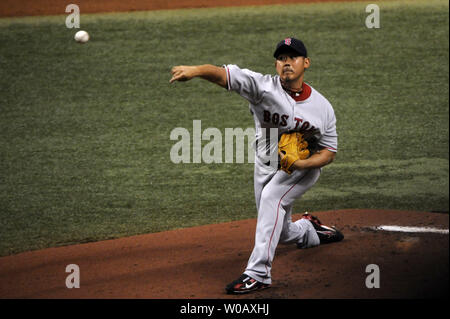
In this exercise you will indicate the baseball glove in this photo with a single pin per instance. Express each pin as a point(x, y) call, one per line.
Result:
point(294, 147)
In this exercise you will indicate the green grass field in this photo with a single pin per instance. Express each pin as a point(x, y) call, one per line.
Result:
point(84, 129)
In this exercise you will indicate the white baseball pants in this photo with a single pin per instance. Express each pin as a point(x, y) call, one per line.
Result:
point(275, 193)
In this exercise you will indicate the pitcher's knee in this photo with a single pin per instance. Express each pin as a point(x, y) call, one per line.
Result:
point(309, 238)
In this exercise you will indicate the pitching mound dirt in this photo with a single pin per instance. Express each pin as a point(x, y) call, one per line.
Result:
point(198, 262)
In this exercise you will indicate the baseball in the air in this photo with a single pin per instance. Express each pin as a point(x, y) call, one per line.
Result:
point(81, 36)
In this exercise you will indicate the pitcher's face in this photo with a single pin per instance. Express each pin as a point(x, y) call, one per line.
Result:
point(290, 67)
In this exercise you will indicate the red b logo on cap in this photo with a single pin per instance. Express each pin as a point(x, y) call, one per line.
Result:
point(287, 41)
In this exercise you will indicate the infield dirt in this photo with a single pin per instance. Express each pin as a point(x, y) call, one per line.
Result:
point(16, 8)
point(198, 262)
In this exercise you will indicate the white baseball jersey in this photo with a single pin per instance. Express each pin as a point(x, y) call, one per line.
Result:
point(272, 107)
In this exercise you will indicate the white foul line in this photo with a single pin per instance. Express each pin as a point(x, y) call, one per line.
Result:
point(407, 229)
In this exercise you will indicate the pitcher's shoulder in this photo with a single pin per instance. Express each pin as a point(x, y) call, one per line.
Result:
point(320, 98)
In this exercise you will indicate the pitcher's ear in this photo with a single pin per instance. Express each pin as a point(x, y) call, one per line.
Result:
point(307, 62)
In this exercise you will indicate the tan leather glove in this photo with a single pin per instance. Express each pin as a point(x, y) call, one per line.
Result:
point(294, 147)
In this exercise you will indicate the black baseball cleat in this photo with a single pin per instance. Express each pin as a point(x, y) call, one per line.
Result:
point(326, 234)
point(245, 284)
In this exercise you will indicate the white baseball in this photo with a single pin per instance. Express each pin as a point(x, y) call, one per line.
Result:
point(81, 36)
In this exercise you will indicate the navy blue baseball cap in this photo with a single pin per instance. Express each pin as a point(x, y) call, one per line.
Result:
point(291, 44)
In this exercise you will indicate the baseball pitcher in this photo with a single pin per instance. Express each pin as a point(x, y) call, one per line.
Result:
point(306, 140)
